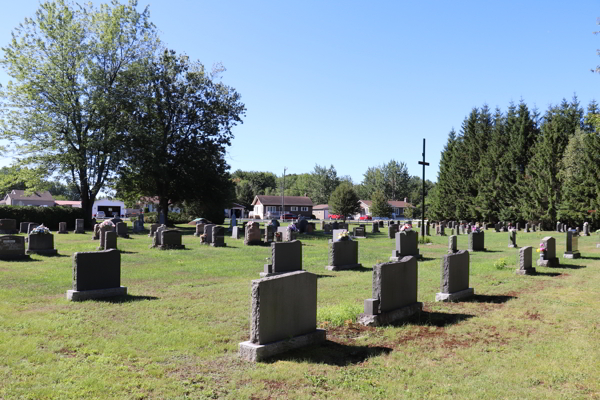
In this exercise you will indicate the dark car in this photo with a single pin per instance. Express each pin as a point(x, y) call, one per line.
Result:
point(288, 216)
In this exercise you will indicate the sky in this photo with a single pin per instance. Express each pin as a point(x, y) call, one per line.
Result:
point(355, 84)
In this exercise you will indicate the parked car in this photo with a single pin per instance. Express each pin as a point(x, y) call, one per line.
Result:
point(101, 214)
point(365, 218)
point(335, 216)
point(288, 216)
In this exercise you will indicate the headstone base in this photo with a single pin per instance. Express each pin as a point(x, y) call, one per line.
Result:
point(484, 249)
point(552, 263)
point(342, 267)
point(62, 233)
point(257, 352)
point(253, 243)
point(48, 252)
point(571, 254)
point(218, 244)
point(170, 246)
point(79, 232)
point(391, 316)
point(527, 271)
point(74, 295)
point(455, 296)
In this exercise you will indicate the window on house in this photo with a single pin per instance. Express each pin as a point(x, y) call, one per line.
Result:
point(294, 208)
point(304, 209)
point(271, 208)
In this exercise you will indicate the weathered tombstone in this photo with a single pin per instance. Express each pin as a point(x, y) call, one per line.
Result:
point(252, 234)
point(12, 248)
point(110, 240)
point(199, 229)
point(586, 229)
point(525, 262)
point(392, 230)
point(8, 227)
point(452, 244)
point(96, 274)
point(235, 232)
point(103, 230)
point(336, 234)
point(218, 236)
point(343, 254)
point(455, 277)
point(122, 230)
point(23, 226)
point(62, 228)
point(458, 228)
point(207, 236)
point(96, 233)
point(375, 227)
point(394, 293)
point(572, 245)
point(270, 233)
point(171, 239)
point(407, 244)
point(548, 256)
point(359, 232)
point(153, 228)
point(540, 227)
point(290, 233)
point(512, 239)
point(41, 243)
point(283, 317)
point(558, 226)
point(285, 257)
point(477, 241)
point(440, 230)
point(157, 239)
point(79, 226)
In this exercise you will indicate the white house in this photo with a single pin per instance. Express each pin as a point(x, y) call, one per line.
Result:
point(398, 207)
point(110, 207)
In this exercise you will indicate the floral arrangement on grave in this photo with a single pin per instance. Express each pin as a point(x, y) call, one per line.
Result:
point(542, 250)
point(343, 236)
point(203, 238)
point(292, 227)
point(278, 236)
point(40, 230)
point(475, 229)
point(107, 222)
point(406, 228)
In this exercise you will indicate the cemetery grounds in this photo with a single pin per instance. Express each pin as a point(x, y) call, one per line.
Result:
point(175, 336)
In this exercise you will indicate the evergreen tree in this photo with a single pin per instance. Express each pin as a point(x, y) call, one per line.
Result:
point(442, 195)
point(344, 201)
point(380, 206)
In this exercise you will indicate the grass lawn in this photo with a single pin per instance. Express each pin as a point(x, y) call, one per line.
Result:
point(175, 336)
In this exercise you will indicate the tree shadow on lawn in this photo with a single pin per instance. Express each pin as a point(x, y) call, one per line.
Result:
point(24, 259)
point(484, 298)
point(488, 251)
point(332, 353)
point(128, 298)
point(432, 318)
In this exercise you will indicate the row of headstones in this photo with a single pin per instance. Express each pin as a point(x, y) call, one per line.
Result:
point(562, 227)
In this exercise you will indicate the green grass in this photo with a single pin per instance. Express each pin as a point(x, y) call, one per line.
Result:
point(176, 335)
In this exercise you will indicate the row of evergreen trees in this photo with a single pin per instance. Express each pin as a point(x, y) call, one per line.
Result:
point(519, 165)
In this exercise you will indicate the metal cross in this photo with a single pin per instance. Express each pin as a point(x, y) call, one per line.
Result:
point(424, 164)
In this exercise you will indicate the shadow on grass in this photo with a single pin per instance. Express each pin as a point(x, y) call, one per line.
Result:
point(332, 353)
point(489, 251)
point(590, 258)
point(324, 276)
point(426, 259)
point(552, 274)
point(125, 299)
point(570, 266)
point(128, 252)
point(438, 319)
point(484, 298)
point(24, 259)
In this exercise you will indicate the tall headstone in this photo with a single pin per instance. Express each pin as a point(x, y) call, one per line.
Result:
point(283, 316)
point(252, 235)
point(455, 277)
point(96, 232)
point(12, 247)
point(285, 257)
point(477, 241)
point(110, 240)
point(103, 230)
point(452, 244)
point(586, 229)
point(218, 236)
point(394, 293)
point(207, 236)
point(525, 261)
point(41, 244)
point(343, 254)
point(407, 244)
point(96, 274)
point(62, 228)
point(270, 233)
point(235, 232)
point(572, 245)
point(122, 230)
point(233, 221)
point(512, 238)
point(157, 238)
point(548, 256)
point(558, 226)
point(375, 227)
point(79, 226)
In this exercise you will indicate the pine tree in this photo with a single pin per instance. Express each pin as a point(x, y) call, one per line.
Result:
point(380, 206)
point(442, 204)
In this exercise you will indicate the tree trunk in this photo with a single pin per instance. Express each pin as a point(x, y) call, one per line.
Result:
point(163, 210)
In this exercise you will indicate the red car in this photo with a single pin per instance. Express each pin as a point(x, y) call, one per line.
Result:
point(335, 216)
point(365, 217)
point(288, 216)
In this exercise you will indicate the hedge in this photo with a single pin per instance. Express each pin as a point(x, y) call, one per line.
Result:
point(49, 216)
point(174, 218)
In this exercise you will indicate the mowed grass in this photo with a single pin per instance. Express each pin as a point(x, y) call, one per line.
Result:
point(175, 336)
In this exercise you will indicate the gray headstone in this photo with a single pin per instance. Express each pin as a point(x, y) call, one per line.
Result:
point(548, 258)
point(477, 241)
point(103, 230)
point(12, 247)
point(96, 274)
point(31, 227)
point(512, 239)
point(343, 254)
point(23, 226)
point(407, 244)
point(8, 226)
point(359, 232)
point(41, 244)
point(375, 227)
point(285, 257)
point(199, 229)
point(455, 277)
point(122, 230)
point(171, 239)
point(336, 233)
point(572, 245)
point(392, 230)
point(525, 261)
point(79, 226)
point(252, 235)
point(452, 244)
point(153, 228)
point(62, 227)
point(218, 236)
point(110, 240)
point(235, 232)
point(208, 233)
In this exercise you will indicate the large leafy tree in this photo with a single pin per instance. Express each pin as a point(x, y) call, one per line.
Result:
point(323, 182)
point(344, 201)
point(179, 128)
point(72, 68)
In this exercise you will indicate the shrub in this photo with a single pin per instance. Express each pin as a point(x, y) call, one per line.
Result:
point(500, 263)
point(174, 218)
point(337, 315)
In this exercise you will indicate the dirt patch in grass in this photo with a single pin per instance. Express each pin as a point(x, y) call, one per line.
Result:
point(534, 315)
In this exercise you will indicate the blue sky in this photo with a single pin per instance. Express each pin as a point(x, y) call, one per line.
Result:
point(356, 84)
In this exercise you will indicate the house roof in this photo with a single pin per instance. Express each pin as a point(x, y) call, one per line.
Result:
point(321, 207)
point(393, 203)
point(276, 200)
point(20, 195)
point(68, 203)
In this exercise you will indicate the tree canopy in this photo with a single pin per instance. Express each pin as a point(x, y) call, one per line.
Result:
point(344, 201)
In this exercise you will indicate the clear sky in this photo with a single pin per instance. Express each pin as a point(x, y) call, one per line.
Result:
point(355, 84)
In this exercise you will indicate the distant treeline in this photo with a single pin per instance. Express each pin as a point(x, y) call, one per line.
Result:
point(520, 165)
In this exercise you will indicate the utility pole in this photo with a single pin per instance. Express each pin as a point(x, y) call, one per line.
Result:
point(424, 164)
point(282, 194)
